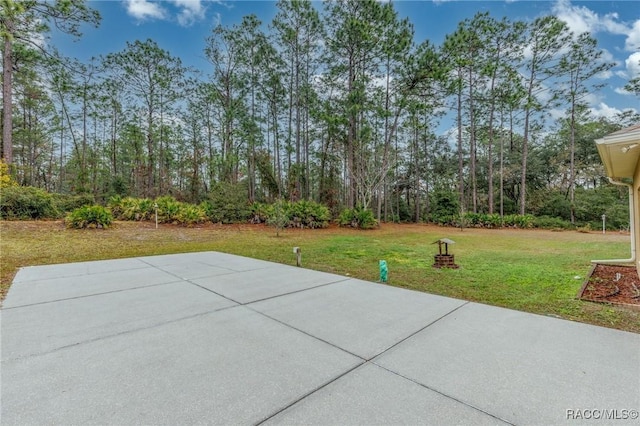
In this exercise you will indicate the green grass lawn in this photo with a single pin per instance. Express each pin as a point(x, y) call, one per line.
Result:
point(528, 270)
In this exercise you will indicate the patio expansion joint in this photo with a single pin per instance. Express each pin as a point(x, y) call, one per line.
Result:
point(90, 295)
point(213, 264)
point(190, 281)
point(160, 324)
point(373, 361)
point(445, 395)
point(121, 333)
point(145, 265)
point(311, 392)
point(416, 332)
point(365, 359)
point(364, 362)
point(257, 268)
point(160, 268)
point(232, 272)
point(295, 291)
point(333, 345)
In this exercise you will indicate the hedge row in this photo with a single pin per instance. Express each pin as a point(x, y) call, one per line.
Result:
point(285, 214)
point(228, 205)
point(168, 209)
point(482, 220)
point(26, 202)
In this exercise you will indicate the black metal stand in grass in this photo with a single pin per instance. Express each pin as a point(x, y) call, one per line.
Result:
point(445, 260)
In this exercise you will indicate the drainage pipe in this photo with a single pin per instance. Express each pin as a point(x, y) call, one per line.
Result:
point(632, 230)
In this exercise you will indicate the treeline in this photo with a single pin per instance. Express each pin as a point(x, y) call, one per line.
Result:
point(337, 104)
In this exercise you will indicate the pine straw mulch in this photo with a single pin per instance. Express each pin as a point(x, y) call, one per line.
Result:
point(619, 285)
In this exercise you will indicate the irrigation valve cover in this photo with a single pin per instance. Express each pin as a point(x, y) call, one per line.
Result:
point(383, 271)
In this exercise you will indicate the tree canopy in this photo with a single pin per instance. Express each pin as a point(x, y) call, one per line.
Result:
point(338, 104)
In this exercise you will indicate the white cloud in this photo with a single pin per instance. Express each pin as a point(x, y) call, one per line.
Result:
point(144, 9)
point(591, 98)
point(217, 19)
point(37, 38)
point(604, 75)
point(633, 64)
point(557, 114)
point(605, 111)
point(186, 11)
point(633, 38)
point(581, 19)
point(191, 11)
point(606, 56)
point(622, 91)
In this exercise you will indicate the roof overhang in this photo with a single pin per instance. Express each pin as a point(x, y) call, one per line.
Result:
point(620, 152)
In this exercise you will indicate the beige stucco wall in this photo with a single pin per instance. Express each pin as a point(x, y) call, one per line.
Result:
point(636, 212)
point(620, 164)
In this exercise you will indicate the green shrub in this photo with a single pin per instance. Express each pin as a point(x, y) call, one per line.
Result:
point(129, 208)
point(493, 220)
point(190, 214)
point(168, 209)
point(588, 207)
point(357, 218)
point(551, 204)
point(89, 217)
point(26, 202)
point(445, 206)
point(548, 222)
point(586, 228)
point(611, 200)
point(447, 220)
point(308, 214)
point(617, 216)
point(66, 203)
point(301, 214)
point(142, 209)
point(518, 221)
point(118, 186)
point(483, 220)
point(6, 180)
point(115, 205)
point(261, 212)
point(227, 203)
point(279, 216)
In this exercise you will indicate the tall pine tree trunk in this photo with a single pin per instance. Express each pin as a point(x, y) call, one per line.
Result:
point(7, 104)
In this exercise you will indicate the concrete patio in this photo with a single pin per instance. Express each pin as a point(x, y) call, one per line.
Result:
point(212, 338)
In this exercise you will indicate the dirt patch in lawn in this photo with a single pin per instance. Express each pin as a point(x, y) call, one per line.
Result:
point(613, 284)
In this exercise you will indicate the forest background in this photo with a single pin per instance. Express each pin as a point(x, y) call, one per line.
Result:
point(333, 102)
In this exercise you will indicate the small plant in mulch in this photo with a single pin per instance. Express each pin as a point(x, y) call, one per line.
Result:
point(612, 284)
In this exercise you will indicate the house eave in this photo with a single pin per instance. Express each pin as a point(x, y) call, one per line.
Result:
point(620, 154)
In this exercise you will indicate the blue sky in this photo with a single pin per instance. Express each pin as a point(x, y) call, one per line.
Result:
point(181, 26)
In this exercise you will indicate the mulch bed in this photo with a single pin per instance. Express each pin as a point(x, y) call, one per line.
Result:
point(618, 285)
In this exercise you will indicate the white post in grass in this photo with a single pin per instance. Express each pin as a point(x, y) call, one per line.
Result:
point(297, 252)
point(604, 222)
